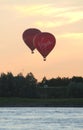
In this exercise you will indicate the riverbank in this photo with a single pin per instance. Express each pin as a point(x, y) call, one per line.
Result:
point(28, 102)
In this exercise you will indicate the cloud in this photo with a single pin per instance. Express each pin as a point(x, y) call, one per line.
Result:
point(64, 19)
point(57, 16)
point(31, 10)
point(72, 35)
point(46, 15)
point(48, 24)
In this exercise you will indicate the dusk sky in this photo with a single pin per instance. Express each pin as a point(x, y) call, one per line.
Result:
point(62, 18)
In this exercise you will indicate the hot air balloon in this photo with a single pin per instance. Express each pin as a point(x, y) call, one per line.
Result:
point(28, 36)
point(44, 42)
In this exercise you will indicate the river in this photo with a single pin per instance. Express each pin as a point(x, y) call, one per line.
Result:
point(41, 118)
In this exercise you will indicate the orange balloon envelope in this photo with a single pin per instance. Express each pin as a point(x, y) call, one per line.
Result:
point(28, 36)
point(44, 42)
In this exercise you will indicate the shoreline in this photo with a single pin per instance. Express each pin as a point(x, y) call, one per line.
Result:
point(31, 102)
point(41, 106)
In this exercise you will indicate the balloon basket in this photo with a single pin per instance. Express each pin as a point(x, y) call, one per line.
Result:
point(44, 59)
point(32, 52)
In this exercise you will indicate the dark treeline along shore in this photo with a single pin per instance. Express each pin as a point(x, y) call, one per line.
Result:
point(28, 87)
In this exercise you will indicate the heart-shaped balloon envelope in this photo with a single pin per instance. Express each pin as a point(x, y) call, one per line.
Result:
point(28, 36)
point(44, 42)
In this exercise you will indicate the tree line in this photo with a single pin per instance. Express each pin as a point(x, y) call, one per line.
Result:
point(29, 87)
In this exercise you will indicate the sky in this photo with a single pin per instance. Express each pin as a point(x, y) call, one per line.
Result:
point(62, 18)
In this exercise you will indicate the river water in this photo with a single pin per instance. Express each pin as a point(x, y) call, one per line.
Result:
point(41, 118)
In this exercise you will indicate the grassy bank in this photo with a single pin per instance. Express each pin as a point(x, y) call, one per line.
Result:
point(17, 102)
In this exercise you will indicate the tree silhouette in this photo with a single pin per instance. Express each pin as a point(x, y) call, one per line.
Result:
point(20, 86)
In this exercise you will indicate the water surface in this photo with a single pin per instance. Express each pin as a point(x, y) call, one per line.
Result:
point(41, 118)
